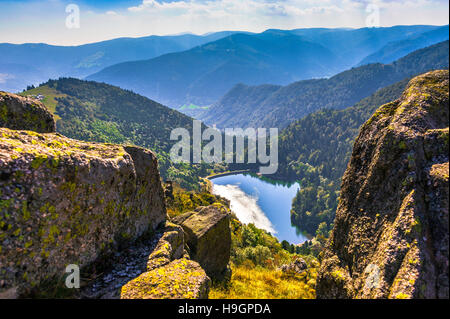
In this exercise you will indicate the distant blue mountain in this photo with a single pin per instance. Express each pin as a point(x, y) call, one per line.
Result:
point(395, 50)
point(25, 64)
point(189, 69)
point(203, 74)
point(352, 45)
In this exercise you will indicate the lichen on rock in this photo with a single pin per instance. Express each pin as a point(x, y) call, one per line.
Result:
point(180, 279)
point(390, 235)
point(170, 247)
point(21, 113)
point(64, 201)
point(208, 237)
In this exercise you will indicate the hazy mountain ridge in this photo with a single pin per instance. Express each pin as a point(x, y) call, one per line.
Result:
point(353, 45)
point(395, 50)
point(203, 74)
point(34, 63)
point(42, 61)
point(298, 99)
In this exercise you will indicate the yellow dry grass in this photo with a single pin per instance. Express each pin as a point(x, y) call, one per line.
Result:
point(263, 283)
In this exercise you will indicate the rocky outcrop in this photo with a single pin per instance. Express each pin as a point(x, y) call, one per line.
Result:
point(64, 201)
point(208, 237)
point(100, 207)
point(169, 274)
point(159, 255)
point(169, 247)
point(296, 267)
point(21, 113)
point(180, 279)
point(391, 233)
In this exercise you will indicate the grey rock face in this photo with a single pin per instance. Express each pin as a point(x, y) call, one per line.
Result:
point(208, 236)
point(21, 113)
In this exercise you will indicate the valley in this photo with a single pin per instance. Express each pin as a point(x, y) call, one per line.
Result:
point(313, 151)
point(356, 208)
point(274, 106)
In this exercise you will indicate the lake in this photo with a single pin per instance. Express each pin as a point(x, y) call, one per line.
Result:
point(263, 203)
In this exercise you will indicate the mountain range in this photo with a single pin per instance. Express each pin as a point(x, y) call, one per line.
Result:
point(277, 106)
point(191, 72)
point(397, 49)
point(203, 74)
point(33, 63)
point(315, 151)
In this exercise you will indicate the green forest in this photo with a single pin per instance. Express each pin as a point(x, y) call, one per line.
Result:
point(315, 151)
point(99, 112)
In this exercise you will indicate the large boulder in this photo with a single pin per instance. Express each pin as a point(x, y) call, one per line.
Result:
point(64, 201)
point(298, 266)
point(170, 274)
point(391, 233)
point(208, 237)
point(22, 113)
point(180, 279)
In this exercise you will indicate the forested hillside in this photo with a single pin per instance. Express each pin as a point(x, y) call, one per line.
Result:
point(315, 151)
point(99, 112)
point(279, 107)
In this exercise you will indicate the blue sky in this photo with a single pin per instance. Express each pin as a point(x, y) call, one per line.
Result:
point(45, 20)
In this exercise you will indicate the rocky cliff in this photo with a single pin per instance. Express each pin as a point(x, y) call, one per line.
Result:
point(64, 201)
point(390, 236)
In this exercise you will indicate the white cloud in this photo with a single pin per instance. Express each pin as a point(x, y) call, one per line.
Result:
point(5, 76)
point(44, 21)
point(238, 7)
point(244, 206)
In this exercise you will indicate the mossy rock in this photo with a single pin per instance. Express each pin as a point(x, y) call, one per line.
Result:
point(180, 279)
point(208, 236)
point(64, 201)
point(169, 247)
point(22, 113)
point(394, 202)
